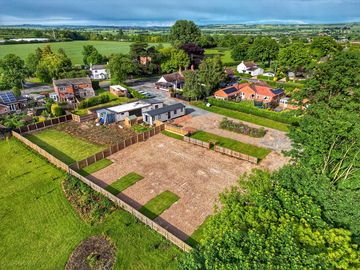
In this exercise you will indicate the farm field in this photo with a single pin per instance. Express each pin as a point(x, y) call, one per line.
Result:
point(64, 146)
point(72, 48)
point(39, 228)
point(225, 55)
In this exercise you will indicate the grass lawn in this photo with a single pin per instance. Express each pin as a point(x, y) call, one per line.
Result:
point(65, 147)
point(123, 183)
point(140, 128)
point(198, 234)
point(39, 228)
point(73, 49)
point(261, 121)
point(225, 55)
point(244, 148)
point(101, 164)
point(159, 204)
point(172, 135)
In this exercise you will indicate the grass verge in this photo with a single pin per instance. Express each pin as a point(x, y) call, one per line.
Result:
point(244, 148)
point(97, 166)
point(156, 206)
point(198, 234)
point(261, 121)
point(172, 135)
point(123, 183)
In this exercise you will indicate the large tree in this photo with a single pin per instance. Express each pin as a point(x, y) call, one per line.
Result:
point(324, 45)
point(90, 53)
point(211, 74)
point(240, 51)
point(12, 71)
point(264, 49)
point(193, 89)
point(174, 59)
point(120, 67)
point(294, 57)
point(183, 32)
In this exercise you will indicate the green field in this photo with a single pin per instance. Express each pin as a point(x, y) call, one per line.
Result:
point(244, 148)
point(63, 146)
point(72, 48)
point(159, 204)
point(225, 55)
point(39, 228)
point(123, 183)
point(261, 121)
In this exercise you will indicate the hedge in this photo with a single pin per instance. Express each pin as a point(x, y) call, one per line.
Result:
point(93, 101)
point(245, 108)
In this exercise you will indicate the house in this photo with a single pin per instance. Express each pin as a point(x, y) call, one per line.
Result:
point(260, 92)
point(54, 96)
point(4, 109)
point(8, 99)
point(120, 112)
point(70, 89)
point(286, 103)
point(229, 72)
point(165, 113)
point(173, 80)
point(249, 67)
point(118, 90)
point(99, 72)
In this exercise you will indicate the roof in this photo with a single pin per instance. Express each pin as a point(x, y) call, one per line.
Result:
point(71, 81)
point(7, 97)
point(129, 106)
point(249, 64)
point(93, 67)
point(166, 109)
point(278, 91)
point(229, 90)
point(118, 87)
point(172, 77)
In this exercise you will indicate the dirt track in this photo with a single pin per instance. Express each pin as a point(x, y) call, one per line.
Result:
point(195, 174)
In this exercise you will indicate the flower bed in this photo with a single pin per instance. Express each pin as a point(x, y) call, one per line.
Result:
point(242, 128)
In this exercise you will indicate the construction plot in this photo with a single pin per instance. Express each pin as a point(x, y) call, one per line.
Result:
point(195, 174)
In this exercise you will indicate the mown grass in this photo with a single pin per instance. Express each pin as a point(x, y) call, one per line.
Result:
point(225, 55)
point(156, 206)
point(172, 135)
point(235, 145)
point(73, 49)
point(39, 228)
point(123, 183)
point(261, 121)
point(63, 146)
point(97, 166)
point(140, 128)
point(196, 237)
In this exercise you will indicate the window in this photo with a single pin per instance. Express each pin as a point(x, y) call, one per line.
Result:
point(252, 96)
point(156, 106)
point(266, 97)
point(169, 115)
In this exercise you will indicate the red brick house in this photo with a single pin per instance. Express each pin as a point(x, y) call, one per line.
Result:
point(70, 90)
point(251, 91)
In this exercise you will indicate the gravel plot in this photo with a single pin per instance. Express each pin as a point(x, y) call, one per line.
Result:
point(195, 174)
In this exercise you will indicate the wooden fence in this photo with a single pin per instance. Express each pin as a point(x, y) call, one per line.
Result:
point(235, 154)
point(83, 118)
point(117, 147)
point(176, 130)
point(197, 142)
point(153, 225)
point(42, 125)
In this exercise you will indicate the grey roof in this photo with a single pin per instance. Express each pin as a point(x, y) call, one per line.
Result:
point(93, 67)
point(166, 109)
point(152, 101)
point(72, 81)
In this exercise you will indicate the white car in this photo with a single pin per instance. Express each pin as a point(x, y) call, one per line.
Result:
point(269, 74)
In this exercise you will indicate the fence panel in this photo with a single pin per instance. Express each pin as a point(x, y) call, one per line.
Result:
point(235, 154)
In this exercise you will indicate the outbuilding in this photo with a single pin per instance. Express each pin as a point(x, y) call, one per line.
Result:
point(165, 113)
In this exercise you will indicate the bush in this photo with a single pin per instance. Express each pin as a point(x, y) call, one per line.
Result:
point(56, 110)
point(283, 117)
point(242, 128)
point(134, 93)
point(93, 101)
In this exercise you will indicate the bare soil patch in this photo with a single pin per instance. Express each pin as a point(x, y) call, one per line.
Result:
point(104, 135)
point(94, 253)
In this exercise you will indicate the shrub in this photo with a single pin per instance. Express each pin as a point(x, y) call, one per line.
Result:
point(244, 107)
point(242, 128)
point(56, 110)
point(93, 101)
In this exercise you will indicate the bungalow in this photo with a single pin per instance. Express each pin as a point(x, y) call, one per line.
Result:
point(118, 90)
point(99, 72)
point(120, 112)
point(173, 80)
point(165, 113)
point(249, 67)
point(251, 91)
point(70, 89)
point(8, 99)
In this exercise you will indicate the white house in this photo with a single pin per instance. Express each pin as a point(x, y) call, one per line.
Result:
point(99, 72)
point(173, 80)
point(249, 67)
point(165, 113)
point(54, 96)
point(136, 108)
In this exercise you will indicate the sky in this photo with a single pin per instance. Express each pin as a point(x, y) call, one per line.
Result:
point(166, 12)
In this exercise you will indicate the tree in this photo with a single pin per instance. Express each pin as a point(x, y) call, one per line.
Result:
point(95, 58)
point(193, 89)
point(56, 110)
point(86, 52)
point(120, 67)
point(12, 71)
point(183, 32)
point(294, 57)
point(174, 59)
point(195, 53)
point(240, 51)
point(138, 49)
point(324, 45)
point(207, 41)
point(211, 74)
point(264, 49)
point(32, 61)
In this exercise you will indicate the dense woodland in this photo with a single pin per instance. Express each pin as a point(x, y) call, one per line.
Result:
point(307, 214)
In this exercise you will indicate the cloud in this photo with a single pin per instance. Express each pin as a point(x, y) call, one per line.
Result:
point(164, 12)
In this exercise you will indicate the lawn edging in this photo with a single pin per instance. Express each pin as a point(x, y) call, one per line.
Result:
point(157, 205)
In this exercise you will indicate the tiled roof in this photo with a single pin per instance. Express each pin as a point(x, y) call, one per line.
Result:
point(72, 81)
point(172, 77)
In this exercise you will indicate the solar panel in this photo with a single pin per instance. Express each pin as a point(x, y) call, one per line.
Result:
point(7, 97)
point(230, 90)
point(278, 91)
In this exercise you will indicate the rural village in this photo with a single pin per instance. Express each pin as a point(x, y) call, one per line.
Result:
point(163, 134)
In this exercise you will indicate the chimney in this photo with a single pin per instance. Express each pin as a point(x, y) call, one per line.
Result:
point(180, 71)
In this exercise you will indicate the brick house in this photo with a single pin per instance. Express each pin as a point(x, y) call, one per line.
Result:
point(70, 90)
